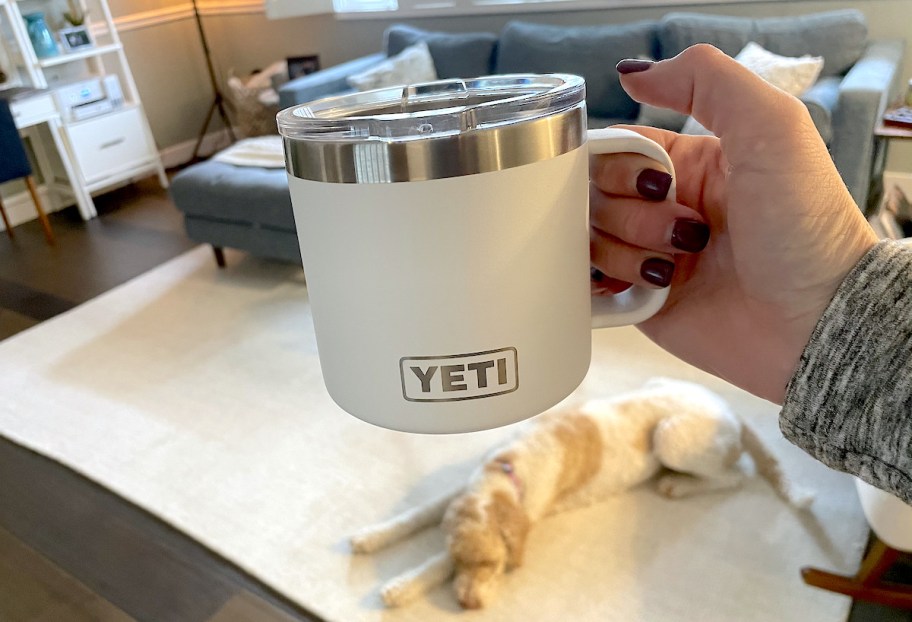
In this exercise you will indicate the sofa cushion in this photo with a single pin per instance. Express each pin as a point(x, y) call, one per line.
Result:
point(661, 118)
point(241, 194)
point(587, 51)
point(839, 37)
point(456, 55)
point(820, 100)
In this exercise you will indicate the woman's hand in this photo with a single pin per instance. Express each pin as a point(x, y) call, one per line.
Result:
point(783, 229)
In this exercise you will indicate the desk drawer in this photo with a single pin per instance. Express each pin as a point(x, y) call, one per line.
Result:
point(33, 110)
point(109, 144)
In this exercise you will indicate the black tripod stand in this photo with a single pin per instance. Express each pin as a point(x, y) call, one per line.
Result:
point(218, 101)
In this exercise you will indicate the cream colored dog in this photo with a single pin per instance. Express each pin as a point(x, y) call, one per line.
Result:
point(569, 459)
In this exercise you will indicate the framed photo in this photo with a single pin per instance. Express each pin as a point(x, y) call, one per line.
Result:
point(302, 65)
point(75, 38)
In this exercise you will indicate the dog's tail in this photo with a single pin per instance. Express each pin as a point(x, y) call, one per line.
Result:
point(412, 584)
point(769, 468)
point(413, 520)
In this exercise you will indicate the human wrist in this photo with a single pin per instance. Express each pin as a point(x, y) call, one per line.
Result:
point(858, 300)
point(787, 342)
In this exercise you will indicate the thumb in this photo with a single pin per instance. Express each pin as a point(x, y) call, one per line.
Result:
point(752, 118)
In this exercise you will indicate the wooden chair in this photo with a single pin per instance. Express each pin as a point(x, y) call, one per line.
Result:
point(15, 165)
point(891, 522)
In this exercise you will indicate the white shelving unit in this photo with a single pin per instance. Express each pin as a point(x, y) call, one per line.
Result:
point(94, 153)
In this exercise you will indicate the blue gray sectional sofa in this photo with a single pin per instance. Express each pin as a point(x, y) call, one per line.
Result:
point(860, 76)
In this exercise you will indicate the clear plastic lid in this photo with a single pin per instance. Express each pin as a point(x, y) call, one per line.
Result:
point(432, 110)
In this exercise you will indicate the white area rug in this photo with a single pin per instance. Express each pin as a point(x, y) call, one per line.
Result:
point(196, 393)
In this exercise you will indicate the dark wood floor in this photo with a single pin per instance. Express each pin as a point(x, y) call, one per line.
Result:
point(138, 229)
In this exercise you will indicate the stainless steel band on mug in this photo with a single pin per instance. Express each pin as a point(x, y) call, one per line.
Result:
point(480, 151)
point(437, 130)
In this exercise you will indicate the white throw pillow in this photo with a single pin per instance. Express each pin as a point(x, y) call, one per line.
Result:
point(792, 75)
point(412, 65)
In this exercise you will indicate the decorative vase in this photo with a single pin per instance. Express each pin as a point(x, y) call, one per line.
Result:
point(40, 35)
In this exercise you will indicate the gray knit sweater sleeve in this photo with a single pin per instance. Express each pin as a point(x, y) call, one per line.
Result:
point(849, 403)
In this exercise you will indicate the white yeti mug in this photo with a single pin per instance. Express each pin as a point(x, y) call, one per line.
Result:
point(445, 239)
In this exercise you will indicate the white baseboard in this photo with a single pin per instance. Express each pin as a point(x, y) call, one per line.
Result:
point(20, 209)
point(903, 180)
point(178, 154)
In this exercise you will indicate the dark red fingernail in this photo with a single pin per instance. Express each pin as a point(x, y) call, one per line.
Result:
point(657, 271)
point(653, 184)
point(689, 235)
point(634, 65)
point(596, 275)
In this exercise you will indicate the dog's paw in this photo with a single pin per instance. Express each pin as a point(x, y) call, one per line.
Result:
point(397, 593)
point(800, 498)
point(364, 542)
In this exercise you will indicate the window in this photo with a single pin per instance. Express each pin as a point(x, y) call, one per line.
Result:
point(360, 9)
point(385, 9)
point(364, 6)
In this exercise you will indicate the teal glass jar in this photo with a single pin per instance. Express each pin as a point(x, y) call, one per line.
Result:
point(42, 40)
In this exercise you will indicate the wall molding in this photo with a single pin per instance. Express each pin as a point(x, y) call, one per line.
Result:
point(179, 12)
point(179, 154)
point(903, 180)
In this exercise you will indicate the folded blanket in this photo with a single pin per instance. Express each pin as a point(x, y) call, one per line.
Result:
point(262, 151)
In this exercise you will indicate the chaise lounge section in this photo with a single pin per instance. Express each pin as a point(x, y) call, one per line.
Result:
point(246, 208)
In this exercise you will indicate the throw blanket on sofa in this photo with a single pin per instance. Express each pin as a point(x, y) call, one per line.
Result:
point(262, 152)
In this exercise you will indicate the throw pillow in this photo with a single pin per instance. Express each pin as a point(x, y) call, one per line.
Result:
point(840, 37)
point(411, 66)
point(792, 75)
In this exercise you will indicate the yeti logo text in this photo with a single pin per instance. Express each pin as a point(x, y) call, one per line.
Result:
point(459, 376)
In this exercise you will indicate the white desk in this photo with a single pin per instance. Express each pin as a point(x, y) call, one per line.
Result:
point(29, 112)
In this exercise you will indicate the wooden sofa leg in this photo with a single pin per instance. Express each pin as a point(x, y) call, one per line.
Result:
point(219, 256)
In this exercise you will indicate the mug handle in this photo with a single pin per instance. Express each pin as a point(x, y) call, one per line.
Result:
point(636, 304)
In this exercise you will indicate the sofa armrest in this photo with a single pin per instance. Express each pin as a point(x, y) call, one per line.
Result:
point(325, 82)
point(864, 93)
point(821, 100)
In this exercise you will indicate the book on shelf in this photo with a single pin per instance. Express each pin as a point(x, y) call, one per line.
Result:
point(898, 117)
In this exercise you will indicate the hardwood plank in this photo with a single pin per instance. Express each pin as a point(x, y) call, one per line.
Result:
point(34, 589)
point(31, 302)
point(30, 585)
point(247, 607)
point(92, 610)
point(125, 555)
point(12, 323)
point(138, 229)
